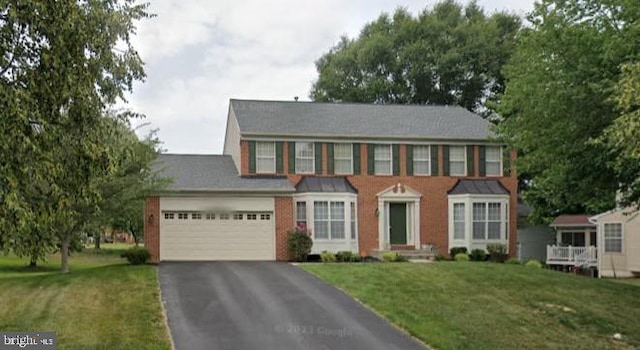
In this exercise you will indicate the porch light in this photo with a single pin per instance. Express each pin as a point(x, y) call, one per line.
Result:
point(377, 212)
point(150, 219)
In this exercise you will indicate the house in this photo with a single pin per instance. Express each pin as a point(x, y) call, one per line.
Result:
point(533, 239)
point(608, 243)
point(363, 178)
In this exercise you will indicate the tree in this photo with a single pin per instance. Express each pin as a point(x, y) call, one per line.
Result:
point(557, 102)
point(450, 55)
point(62, 65)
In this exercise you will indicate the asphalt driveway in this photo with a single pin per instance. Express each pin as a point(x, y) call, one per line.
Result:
point(267, 305)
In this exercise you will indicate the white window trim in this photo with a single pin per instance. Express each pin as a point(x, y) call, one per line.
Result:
point(311, 197)
point(313, 157)
point(335, 169)
point(469, 199)
point(258, 171)
point(464, 158)
point(604, 237)
point(501, 166)
point(428, 160)
point(390, 146)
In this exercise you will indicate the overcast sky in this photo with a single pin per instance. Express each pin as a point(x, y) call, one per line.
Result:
point(201, 53)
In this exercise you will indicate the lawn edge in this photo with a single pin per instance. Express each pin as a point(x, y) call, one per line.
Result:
point(404, 331)
point(165, 318)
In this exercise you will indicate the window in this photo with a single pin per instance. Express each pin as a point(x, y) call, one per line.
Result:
point(237, 216)
point(304, 157)
point(183, 216)
point(382, 160)
point(494, 221)
point(224, 216)
point(574, 239)
point(329, 220)
point(342, 158)
point(210, 216)
point(252, 216)
point(457, 160)
point(265, 157)
point(421, 160)
point(168, 216)
point(487, 221)
point(458, 221)
point(479, 221)
point(301, 215)
point(265, 216)
point(493, 161)
point(196, 216)
point(353, 220)
point(613, 238)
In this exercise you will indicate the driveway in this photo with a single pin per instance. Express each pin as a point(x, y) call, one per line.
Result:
point(267, 305)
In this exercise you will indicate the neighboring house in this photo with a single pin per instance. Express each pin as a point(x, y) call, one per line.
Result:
point(532, 239)
point(608, 242)
point(363, 178)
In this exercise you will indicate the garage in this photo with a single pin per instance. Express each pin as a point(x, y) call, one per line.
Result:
point(217, 228)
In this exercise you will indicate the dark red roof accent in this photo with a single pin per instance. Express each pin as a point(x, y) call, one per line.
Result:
point(580, 220)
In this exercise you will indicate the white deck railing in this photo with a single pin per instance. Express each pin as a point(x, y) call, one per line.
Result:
point(572, 255)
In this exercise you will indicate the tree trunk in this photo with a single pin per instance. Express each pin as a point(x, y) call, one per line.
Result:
point(96, 238)
point(33, 263)
point(64, 252)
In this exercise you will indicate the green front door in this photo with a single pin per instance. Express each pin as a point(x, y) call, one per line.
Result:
point(398, 223)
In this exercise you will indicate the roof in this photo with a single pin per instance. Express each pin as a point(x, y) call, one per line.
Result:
point(468, 186)
point(213, 173)
point(580, 220)
point(324, 185)
point(358, 120)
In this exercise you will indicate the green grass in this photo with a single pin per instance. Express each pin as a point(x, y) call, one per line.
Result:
point(101, 304)
point(472, 305)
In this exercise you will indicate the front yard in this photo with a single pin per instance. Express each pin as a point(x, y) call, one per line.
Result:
point(101, 304)
point(455, 305)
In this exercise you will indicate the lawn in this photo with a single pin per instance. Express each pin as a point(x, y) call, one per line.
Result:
point(101, 304)
point(456, 305)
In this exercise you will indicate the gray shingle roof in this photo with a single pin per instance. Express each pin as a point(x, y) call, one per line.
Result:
point(324, 185)
point(358, 120)
point(469, 186)
point(213, 173)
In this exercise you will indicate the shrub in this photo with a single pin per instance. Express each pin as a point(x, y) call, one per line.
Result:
point(533, 264)
point(497, 252)
point(299, 244)
point(401, 258)
point(462, 257)
point(389, 256)
point(137, 255)
point(327, 257)
point(514, 261)
point(457, 250)
point(440, 257)
point(347, 256)
point(478, 255)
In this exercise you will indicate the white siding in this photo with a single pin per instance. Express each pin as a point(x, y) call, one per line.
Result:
point(627, 263)
point(232, 138)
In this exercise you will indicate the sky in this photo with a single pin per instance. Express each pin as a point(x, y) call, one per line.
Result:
point(198, 54)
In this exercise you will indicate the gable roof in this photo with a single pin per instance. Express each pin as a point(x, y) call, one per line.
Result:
point(468, 186)
point(358, 120)
point(321, 184)
point(580, 220)
point(213, 173)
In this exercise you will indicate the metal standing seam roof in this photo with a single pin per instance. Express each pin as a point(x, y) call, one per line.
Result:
point(470, 186)
point(320, 184)
point(213, 173)
point(293, 118)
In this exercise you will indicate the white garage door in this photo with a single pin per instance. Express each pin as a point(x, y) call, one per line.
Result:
point(217, 229)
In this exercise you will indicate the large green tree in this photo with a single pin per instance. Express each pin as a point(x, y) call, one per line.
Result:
point(63, 64)
point(558, 101)
point(447, 55)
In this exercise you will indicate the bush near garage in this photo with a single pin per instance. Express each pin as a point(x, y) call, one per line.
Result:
point(137, 255)
point(299, 244)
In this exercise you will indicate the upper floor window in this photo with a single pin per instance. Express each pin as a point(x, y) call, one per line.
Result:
point(613, 238)
point(265, 157)
point(304, 157)
point(457, 160)
point(343, 158)
point(421, 160)
point(382, 160)
point(493, 161)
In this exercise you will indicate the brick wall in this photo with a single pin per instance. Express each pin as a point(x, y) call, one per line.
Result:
point(284, 222)
point(152, 227)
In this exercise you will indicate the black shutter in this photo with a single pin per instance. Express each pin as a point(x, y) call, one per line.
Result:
point(409, 158)
point(356, 158)
point(506, 161)
point(445, 160)
point(292, 157)
point(482, 168)
point(434, 160)
point(395, 158)
point(330, 158)
point(318, 157)
point(470, 159)
point(279, 160)
point(371, 158)
point(252, 157)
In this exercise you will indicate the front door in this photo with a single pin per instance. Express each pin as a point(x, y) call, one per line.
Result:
point(398, 223)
